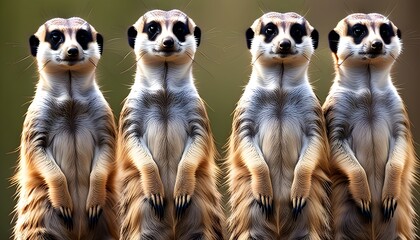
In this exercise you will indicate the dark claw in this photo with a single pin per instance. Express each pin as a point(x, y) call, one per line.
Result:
point(156, 201)
point(94, 214)
point(181, 204)
point(390, 205)
point(264, 202)
point(297, 206)
point(65, 214)
point(366, 210)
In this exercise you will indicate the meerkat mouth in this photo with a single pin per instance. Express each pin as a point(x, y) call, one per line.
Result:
point(166, 52)
point(283, 54)
point(371, 55)
point(69, 61)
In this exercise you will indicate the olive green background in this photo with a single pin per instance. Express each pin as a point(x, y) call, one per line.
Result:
point(221, 68)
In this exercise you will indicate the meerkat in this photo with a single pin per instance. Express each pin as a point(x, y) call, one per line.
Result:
point(372, 153)
point(166, 149)
point(65, 173)
point(278, 151)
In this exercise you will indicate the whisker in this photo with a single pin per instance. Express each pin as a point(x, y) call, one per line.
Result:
point(126, 55)
point(350, 54)
point(30, 65)
point(93, 63)
point(257, 58)
point(192, 59)
point(23, 59)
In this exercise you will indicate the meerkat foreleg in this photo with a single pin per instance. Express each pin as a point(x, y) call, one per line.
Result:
point(149, 174)
point(358, 183)
point(101, 166)
point(303, 174)
point(393, 174)
point(58, 191)
point(194, 153)
point(260, 174)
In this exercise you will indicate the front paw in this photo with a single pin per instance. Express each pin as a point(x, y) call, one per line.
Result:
point(389, 207)
point(153, 190)
point(94, 212)
point(299, 196)
point(263, 194)
point(61, 200)
point(156, 201)
point(94, 205)
point(361, 194)
point(66, 215)
point(184, 190)
point(181, 204)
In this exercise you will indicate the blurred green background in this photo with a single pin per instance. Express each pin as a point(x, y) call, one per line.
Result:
point(222, 63)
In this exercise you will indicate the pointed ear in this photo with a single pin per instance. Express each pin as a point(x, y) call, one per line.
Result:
point(33, 44)
point(249, 36)
point(315, 38)
point(100, 41)
point(399, 33)
point(132, 34)
point(197, 35)
point(333, 39)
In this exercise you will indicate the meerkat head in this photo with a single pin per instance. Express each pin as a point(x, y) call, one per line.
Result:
point(365, 38)
point(281, 37)
point(164, 36)
point(67, 44)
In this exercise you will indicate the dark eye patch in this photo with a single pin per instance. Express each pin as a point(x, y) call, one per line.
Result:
point(152, 29)
point(84, 37)
point(55, 38)
point(358, 32)
point(386, 32)
point(297, 31)
point(180, 30)
point(269, 31)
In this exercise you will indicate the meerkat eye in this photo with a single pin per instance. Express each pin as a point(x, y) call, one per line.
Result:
point(180, 30)
point(358, 32)
point(297, 31)
point(269, 31)
point(84, 37)
point(386, 33)
point(152, 29)
point(55, 38)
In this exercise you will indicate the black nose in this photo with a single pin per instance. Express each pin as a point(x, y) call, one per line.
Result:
point(285, 45)
point(73, 52)
point(168, 42)
point(377, 46)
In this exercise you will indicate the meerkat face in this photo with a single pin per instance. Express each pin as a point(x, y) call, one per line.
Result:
point(66, 43)
point(365, 37)
point(281, 37)
point(164, 36)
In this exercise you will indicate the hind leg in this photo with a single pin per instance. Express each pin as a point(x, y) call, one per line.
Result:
point(203, 218)
point(248, 221)
point(349, 222)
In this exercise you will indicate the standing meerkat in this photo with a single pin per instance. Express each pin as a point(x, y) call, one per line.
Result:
point(166, 150)
point(278, 151)
point(66, 174)
point(372, 153)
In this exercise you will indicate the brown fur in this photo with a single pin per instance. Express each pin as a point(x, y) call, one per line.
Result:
point(166, 151)
point(372, 153)
point(278, 151)
point(66, 173)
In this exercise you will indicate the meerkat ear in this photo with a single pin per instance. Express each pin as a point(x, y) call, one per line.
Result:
point(197, 35)
point(33, 44)
point(315, 38)
point(132, 34)
point(333, 39)
point(399, 33)
point(100, 41)
point(249, 34)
